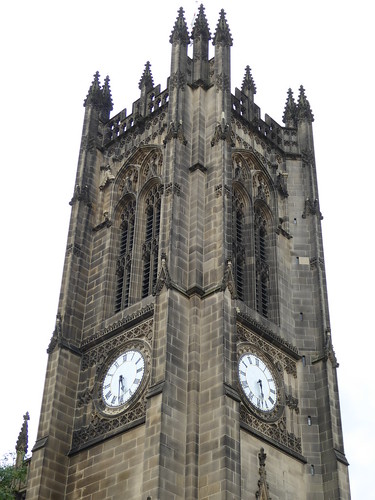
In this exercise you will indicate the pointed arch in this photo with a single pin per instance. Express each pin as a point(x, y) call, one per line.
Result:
point(253, 233)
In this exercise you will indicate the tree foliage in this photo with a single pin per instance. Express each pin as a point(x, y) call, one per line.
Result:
point(10, 477)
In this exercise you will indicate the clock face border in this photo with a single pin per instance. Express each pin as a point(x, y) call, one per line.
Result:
point(100, 402)
point(274, 413)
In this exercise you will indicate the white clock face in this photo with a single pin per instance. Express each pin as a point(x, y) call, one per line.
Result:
point(257, 382)
point(123, 378)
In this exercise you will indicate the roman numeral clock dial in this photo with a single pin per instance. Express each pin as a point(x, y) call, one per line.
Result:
point(123, 379)
point(257, 382)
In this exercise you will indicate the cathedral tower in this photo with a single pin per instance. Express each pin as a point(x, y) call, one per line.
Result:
point(192, 354)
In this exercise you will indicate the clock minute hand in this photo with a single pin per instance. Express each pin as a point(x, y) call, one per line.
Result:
point(121, 383)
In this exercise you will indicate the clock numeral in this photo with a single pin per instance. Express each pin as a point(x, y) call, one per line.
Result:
point(125, 357)
point(245, 385)
point(251, 395)
point(138, 360)
point(257, 361)
point(113, 400)
point(242, 373)
point(121, 400)
point(116, 364)
point(273, 392)
point(108, 395)
point(106, 386)
point(271, 400)
point(249, 360)
point(136, 381)
point(258, 402)
point(140, 369)
point(270, 380)
point(265, 404)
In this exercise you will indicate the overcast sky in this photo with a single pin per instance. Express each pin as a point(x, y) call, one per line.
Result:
point(50, 51)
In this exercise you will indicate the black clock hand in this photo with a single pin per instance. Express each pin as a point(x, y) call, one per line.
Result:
point(261, 388)
point(121, 382)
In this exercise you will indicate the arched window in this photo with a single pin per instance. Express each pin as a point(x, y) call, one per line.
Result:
point(124, 261)
point(238, 246)
point(151, 240)
point(262, 270)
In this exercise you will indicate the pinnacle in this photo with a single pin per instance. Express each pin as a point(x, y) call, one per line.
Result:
point(107, 96)
point(222, 34)
point(248, 81)
point(22, 440)
point(304, 110)
point(146, 80)
point(290, 110)
point(201, 25)
point(94, 93)
point(180, 31)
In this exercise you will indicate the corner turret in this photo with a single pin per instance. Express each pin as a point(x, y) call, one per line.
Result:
point(107, 103)
point(223, 41)
point(180, 40)
point(305, 118)
point(201, 36)
point(290, 111)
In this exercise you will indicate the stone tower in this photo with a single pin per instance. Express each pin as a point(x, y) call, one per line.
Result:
point(192, 354)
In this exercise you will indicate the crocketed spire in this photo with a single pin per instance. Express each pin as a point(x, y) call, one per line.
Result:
point(303, 109)
point(248, 82)
point(94, 95)
point(106, 95)
point(201, 26)
point(222, 34)
point(22, 441)
point(147, 80)
point(290, 111)
point(180, 31)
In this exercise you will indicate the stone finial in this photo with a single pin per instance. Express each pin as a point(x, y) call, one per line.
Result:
point(22, 441)
point(94, 96)
point(222, 34)
point(248, 82)
point(106, 95)
point(200, 27)
point(147, 80)
point(290, 111)
point(180, 31)
point(304, 112)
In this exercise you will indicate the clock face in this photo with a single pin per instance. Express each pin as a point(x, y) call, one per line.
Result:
point(257, 382)
point(123, 378)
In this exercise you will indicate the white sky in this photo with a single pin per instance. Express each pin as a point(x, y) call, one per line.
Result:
point(50, 51)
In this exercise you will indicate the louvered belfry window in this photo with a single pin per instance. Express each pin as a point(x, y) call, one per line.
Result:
point(124, 261)
point(238, 247)
point(151, 241)
point(261, 263)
